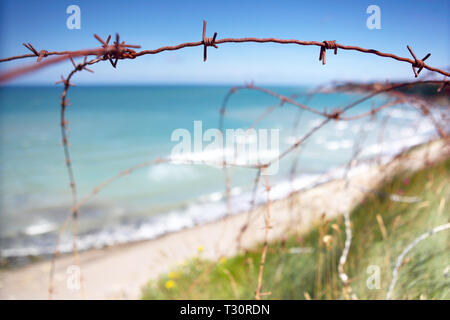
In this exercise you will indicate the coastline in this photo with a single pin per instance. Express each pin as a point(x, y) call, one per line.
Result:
point(119, 272)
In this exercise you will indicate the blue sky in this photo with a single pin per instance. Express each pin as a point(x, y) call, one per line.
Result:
point(424, 25)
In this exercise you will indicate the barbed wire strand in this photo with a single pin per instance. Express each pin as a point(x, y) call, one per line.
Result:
point(124, 51)
point(159, 160)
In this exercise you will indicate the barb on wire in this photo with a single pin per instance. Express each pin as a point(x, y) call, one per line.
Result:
point(207, 42)
point(41, 54)
point(331, 44)
point(417, 63)
point(118, 50)
point(81, 66)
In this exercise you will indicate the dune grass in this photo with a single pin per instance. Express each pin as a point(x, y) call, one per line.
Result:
point(305, 266)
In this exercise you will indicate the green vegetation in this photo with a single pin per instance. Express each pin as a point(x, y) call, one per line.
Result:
point(305, 266)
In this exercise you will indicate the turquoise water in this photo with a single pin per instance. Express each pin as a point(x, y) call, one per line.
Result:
point(113, 128)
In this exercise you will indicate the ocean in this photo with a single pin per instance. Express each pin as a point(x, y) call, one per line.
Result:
point(113, 128)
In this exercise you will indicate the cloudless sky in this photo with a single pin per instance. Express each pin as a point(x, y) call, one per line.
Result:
point(424, 25)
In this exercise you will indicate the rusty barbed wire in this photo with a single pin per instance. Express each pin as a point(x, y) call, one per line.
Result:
point(160, 160)
point(419, 103)
point(65, 143)
point(337, 114)
point(121, 50)
point(233, 90)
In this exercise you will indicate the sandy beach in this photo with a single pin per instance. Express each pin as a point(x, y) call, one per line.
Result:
point(119, 272)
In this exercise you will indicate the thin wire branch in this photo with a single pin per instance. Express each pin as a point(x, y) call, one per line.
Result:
point(357, 148)
point(65, 143)
point(267, 228)
point(405, 251)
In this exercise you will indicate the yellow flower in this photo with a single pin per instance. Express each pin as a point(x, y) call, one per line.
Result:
point(170, 284)
point(327, 239)
point(200, 248)
point(173, 275)
point(222, 260)
point(335, 227)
